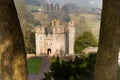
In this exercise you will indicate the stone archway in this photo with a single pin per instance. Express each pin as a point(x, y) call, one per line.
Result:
point(48, 51)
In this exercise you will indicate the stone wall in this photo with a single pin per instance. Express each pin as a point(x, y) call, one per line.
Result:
point(71, 37)
point(59, 43)
point(61, 40)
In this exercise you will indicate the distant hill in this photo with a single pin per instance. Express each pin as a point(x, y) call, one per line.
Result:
point(84, 5)
point(81, 3)
point(35, 2)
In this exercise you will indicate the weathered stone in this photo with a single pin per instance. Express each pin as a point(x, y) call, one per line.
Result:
point(55, 40)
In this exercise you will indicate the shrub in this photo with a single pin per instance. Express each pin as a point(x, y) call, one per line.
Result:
point(118, 72)
point(85, 40)
point(81, 68)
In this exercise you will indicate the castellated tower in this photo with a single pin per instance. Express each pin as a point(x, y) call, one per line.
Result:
point(39, 40)
point(71, 36)
point(59, 37)
point(56, 23)
point(56, 39)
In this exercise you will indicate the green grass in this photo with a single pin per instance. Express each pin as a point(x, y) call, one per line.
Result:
point(34, 65)
point(30, 7)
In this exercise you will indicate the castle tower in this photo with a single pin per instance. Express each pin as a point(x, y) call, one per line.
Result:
point(59, 41)
point(71, 36)
point(58, 37)
point(39, 35)
point(56, 23)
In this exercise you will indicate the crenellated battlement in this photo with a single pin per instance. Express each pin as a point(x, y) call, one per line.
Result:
point(56, 23)
point(71, 24)
point(40, 30)
point(56, 27)
point(55, 38)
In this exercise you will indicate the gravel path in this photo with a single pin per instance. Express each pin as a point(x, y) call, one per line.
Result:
point(44, 68)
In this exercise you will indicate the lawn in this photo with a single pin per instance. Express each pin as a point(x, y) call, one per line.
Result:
point(30, 7)
point(34, 65)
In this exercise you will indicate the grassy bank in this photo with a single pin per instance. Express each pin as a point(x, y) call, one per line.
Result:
point(34, 65)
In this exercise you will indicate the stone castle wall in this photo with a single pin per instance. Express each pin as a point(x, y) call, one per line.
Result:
point(60, 41)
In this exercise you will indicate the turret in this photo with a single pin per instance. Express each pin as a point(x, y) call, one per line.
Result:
point(71, 24)
point(39, 34)
point(55, 23)
point(71, 28)
point(40, 30)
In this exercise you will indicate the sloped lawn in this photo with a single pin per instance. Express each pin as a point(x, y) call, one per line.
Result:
point(34, 65)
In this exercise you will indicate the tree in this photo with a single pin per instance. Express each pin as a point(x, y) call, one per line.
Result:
point(107, 58)
point(30, 43)
point(35, 2)
point(56, 7)
point(65, 9)
point(70, 8)
point(66, 18)
point(46, 8)
point(27, 22)
point(12, 47)
point(85, 40)
point(51, 6)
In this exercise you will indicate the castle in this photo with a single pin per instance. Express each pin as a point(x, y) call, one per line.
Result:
point(56, 39)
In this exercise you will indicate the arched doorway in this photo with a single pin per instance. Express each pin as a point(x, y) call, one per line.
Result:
point(48, 51)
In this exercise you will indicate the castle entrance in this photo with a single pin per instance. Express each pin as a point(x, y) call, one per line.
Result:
point(48, 51)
